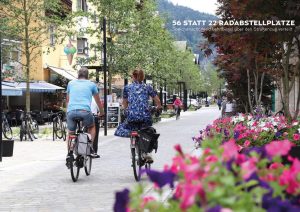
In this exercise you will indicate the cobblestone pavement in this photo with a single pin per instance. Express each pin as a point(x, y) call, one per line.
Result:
point(36, 179)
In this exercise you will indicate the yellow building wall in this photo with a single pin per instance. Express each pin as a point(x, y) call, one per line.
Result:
point(56, 57)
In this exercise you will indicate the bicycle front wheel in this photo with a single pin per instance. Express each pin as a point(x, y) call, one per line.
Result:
point(33, 129)
point(64, 132)
point(88, 165)
point(7, 132)
point(75, 169)
point(58, 128)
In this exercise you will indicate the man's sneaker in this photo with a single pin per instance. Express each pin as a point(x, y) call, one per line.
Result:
point(69, 160)
point(94, 154)
point(148, 157)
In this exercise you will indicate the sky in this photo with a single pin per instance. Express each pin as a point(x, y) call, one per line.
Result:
point(207, 6)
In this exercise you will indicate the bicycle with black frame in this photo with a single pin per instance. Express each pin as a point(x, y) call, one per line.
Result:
point(6, 129)
point(29, 126)
point(59, 127)
point(81, 145)
point(142, 141)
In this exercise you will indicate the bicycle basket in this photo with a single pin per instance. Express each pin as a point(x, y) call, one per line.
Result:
point(83, 144)
point(148, 139)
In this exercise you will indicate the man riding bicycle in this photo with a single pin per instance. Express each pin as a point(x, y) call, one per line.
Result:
point(79, 97)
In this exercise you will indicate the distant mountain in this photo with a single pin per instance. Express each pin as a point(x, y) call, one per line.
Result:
point(185, 23)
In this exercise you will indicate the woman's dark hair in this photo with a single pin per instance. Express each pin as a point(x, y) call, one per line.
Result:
point(138, 74)
point(83, 73)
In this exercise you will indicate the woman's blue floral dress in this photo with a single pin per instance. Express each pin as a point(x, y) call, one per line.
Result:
point(137, 95)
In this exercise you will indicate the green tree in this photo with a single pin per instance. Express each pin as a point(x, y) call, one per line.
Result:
point(28, 22)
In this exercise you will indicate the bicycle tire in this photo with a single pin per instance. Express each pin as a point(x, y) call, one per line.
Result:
point(136, 164)
point(35, 126)
point(75, 170)
point(88, 165)
point(59, 128)
point(64, 133)
point(31, 131)
point(22, 130)
point(7, 132)
point(53, 132)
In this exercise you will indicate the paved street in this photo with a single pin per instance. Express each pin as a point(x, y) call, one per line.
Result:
point(36, 178)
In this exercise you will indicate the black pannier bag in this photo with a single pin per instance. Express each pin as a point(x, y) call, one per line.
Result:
point(148, 139)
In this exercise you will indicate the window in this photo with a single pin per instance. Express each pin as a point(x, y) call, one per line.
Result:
point(82, 46)
point(82, 5)
point(52, 35)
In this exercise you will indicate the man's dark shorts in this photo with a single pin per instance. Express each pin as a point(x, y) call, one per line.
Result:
point(87, 116)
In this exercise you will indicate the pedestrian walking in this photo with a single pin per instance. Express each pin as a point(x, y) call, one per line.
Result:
point(219, 102)
point(228, 107)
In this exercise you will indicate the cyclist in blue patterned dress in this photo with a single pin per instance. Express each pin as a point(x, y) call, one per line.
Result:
point(135, 103)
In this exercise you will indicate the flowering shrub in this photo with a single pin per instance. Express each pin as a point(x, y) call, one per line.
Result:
point(227, 176)
point(251, 131)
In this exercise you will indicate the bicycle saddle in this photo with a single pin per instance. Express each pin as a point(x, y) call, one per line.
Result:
point(77, 119)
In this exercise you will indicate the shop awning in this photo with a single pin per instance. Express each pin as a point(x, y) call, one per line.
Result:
point(35, 87)
point(11, 91)
point(66, 74)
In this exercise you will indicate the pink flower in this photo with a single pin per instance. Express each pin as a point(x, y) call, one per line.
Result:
point(211, 159)
point(179, 149)
point(279, 148)
point(275, 165)
point(230, 150)
point(206, 151)
point(241, 158)
point(285, 134)
point(146, 200)
point(226, 210)
point(248, 168)
point(247, 143)
point(289, 178)
point(296, 137)
point(242, 135)
point(189, 193)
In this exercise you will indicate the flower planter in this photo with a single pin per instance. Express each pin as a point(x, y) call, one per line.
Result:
point(8, 148)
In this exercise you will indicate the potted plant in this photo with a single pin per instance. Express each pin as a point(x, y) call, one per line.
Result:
point(7, 148)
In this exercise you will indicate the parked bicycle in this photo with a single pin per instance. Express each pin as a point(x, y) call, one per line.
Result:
point(142, 141)
point(29, 126)
point(59, 127)
point(6, 129)
point(81, 144)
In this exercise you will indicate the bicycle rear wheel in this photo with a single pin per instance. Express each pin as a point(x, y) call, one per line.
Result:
point(88, 165)
point(58, 126)
point(7, 132)
point(75, 169)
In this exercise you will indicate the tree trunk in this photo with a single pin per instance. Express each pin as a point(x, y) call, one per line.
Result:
point(27, 55)
point(249, 92)
point(285, 81)
point(261, 87)
point(298, 101)
point(255, 74)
